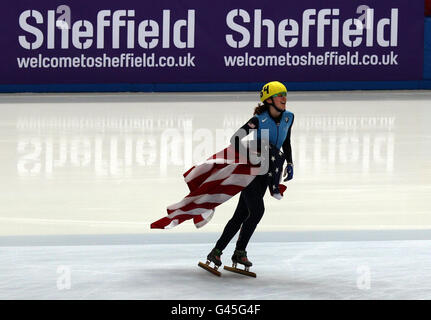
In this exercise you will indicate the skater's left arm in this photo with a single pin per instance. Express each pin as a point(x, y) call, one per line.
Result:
point(287, 149)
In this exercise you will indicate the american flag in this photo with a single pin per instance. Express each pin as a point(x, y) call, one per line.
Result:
point(276, 160)
point(211, 183)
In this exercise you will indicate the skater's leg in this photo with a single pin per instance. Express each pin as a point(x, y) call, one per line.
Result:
point(234, 224)
point(249, 226)
point(253, 198)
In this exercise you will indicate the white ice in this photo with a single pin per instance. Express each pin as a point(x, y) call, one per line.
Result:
point(84, 175)
point(298, 270)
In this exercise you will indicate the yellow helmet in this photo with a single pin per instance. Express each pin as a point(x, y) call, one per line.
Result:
point(270, 89)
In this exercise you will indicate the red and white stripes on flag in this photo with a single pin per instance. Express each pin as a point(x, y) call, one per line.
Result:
point(211, 183)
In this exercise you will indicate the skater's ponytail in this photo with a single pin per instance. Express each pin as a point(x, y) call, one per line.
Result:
point(261, 108)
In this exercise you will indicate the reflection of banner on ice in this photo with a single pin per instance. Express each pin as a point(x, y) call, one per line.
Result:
point(212, 183)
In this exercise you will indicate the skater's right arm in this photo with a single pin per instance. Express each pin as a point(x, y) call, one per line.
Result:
point(242, 132)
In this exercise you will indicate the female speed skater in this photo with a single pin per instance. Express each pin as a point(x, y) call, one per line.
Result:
point(272, 115)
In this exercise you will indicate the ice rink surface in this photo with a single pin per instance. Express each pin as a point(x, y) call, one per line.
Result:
point(83, 176)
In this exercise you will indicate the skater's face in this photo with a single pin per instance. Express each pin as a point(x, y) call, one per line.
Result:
point(279, 100)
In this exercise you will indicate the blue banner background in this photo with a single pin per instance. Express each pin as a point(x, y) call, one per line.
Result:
point(210, 45)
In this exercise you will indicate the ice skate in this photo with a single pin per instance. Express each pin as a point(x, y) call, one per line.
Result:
point(214, 257)
point(240, 256)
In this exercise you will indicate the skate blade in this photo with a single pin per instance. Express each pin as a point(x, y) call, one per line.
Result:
point(240, 271)
point(210, 269)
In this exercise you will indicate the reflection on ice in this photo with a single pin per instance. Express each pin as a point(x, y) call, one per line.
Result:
point(114, 146)
point(361, 160)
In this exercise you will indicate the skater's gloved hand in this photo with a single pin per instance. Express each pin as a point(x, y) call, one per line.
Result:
point(288, 172)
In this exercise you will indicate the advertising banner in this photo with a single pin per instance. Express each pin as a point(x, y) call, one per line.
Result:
point(132, 41)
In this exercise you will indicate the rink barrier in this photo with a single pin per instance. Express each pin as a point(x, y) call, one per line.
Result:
point(424, 84)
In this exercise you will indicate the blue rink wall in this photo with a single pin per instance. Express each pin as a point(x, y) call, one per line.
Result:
point(425, 83)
